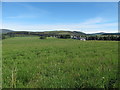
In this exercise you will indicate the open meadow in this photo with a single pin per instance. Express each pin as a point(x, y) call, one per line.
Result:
point(30, 62)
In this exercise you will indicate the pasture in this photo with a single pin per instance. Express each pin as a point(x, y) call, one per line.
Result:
point(30, 62)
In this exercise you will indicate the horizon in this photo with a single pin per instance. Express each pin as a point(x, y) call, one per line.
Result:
point(59, 30)
point(87, 17)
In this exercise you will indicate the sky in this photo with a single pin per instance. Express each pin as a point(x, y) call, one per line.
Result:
point(60, 0)
point(88, 17)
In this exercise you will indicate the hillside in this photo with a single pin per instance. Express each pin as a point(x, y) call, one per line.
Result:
point(76, 33)
point(49, 33)
point(102, 33)
point(5, 31)
point(64, 32)
point(111, 34)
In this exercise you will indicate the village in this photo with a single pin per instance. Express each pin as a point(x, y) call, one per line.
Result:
point(70, 37)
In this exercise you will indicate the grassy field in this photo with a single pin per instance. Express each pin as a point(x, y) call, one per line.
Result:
point(29, 62)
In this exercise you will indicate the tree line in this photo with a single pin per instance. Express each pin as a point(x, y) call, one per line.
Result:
point(43, 36)
point(106, 37)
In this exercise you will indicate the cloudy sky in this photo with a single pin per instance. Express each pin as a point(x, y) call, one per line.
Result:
point(88, 17)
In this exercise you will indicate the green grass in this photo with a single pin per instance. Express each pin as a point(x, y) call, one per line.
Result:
point(29, 62)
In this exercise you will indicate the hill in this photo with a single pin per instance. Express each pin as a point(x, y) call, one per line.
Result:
point(102, 33)
point(52, 33)
point(3, 31)
point(48, 33)
point(111, 34)
point(64, 33)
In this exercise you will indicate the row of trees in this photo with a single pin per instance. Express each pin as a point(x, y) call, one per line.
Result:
point(107, 37)
point(64, 36)
point(57, 36)
point(4, 36)
point(87, 37)
point(9, 35)
point(101, 37)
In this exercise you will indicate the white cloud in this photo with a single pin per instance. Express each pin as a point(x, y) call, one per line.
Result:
point(90, 26)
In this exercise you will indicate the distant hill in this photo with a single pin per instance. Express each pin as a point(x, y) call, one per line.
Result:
point(102, 33)
point(64, 33)
point(111, 34)
point(50, 33)
point(3, 31)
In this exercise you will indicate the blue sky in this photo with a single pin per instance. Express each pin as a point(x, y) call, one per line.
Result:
point(88, 17)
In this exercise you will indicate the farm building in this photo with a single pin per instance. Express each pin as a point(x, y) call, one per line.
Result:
point(78, 38)
point(83, 39)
